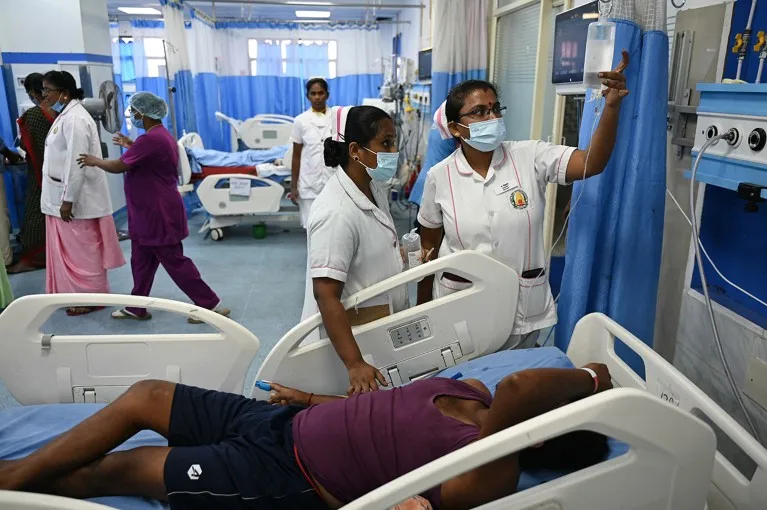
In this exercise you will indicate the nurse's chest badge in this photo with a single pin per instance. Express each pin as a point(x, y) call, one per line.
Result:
point(55, 130)
point(518, 199)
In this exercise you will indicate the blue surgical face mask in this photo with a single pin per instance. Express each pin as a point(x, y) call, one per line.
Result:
point(486, 136)
point(139, 123)
point(386, 166)
point(58, 106)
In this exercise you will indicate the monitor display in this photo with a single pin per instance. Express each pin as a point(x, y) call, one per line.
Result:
point(424, 65)
point(570, 32)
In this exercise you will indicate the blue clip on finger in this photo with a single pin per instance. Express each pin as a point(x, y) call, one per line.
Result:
point(457, 376)
point(263, 385)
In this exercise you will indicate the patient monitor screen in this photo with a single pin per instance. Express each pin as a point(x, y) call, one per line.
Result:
point(570, 31)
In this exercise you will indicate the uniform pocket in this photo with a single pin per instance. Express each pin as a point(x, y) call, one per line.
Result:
point(532, 297)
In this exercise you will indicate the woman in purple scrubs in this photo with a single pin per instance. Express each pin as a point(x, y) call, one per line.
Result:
point(156, 214)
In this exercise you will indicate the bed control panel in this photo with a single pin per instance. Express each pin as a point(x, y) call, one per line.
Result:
point(411, 333)
point(422, 366)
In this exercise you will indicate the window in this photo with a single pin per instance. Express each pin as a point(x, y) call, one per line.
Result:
point(154, 52)
point(270, 57)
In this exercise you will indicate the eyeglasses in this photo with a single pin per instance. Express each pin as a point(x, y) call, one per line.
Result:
point(47, 91)
point(483, 112)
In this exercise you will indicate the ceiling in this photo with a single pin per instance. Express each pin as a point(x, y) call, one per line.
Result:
point(277, 10)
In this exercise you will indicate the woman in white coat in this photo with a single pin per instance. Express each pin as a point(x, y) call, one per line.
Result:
point(81, 238)
point(489, 195)
point(353, 240)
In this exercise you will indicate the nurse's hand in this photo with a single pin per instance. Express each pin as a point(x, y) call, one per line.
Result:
point(87, 160)
point(364, 377)
point(122, 140)
point(66, 211)
point(294, 193)
point(615, 82)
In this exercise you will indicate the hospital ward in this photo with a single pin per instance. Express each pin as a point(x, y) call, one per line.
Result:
point(383, 254)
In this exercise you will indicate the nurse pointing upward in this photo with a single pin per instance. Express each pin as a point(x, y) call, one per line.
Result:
point(489, 195)
point(156, 214)
point(353, 242)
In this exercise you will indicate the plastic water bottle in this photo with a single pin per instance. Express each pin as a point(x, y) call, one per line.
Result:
point(411, 244)
point(600, 48)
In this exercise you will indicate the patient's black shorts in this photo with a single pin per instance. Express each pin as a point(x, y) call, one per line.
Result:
point(233, 452)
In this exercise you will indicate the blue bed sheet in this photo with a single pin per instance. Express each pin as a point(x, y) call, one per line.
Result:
point(24, 429)
point(207, 157)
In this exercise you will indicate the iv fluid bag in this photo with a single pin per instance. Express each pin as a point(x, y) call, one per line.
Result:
point(600, 48)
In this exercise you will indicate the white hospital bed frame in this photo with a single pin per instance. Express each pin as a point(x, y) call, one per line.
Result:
point(260, 132)
point(265, 203)
point(671, 464)
point(40, 368)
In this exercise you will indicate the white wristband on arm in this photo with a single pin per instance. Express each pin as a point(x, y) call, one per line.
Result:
point(593, 376)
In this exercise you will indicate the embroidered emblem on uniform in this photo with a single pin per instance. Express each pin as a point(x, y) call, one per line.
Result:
point(518, 199)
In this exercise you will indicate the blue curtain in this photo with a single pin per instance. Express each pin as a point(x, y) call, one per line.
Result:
point(314, 60)
point(186, 120)
point(269, 61)
point(437, 149)
point(6, 127)
point(206, 99)
point(127, 69)
point(352, 89)
point(612, 262)
point(245, 96)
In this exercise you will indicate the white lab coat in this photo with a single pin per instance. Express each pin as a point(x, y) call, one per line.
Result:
point(500, 216)
point(73, 133)
point(355, 242)
point(310, 129)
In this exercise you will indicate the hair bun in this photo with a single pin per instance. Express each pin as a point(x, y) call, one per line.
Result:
point(79, 94)
point(335, 153)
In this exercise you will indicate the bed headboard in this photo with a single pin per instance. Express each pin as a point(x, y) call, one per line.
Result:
point(191, 140)
point(412, 343)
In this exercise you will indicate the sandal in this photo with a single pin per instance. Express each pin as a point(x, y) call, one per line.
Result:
point(221, 311)
point(82, 310)
point(124, 314)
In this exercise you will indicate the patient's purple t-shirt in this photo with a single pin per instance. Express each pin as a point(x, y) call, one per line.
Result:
point(156, 213)
point(353, 446)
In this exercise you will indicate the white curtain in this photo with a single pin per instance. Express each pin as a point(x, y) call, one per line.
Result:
point(176, 50)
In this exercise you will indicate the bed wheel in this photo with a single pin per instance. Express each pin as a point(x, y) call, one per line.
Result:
point(216, 234)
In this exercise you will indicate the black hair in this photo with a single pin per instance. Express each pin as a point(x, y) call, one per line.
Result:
point(316, 81)
point(34, 83)
point(362, 125)
point(569, 452)
point(457, 96)
point(64, 81)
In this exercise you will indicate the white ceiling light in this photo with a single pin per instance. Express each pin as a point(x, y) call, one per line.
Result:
point(149, 11)
point(312, 14)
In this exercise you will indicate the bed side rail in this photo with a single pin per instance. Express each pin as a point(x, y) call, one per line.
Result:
point(265, 195)
point(594, 341)
point(668, 466)
point(414, 342)
point(41, 368)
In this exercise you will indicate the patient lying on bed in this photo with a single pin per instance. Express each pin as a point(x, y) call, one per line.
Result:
point(309, 451)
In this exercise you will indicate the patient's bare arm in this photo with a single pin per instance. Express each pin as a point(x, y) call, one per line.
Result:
point(284, 395)
point(518, 398)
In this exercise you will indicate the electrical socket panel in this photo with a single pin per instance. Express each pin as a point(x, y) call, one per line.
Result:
point(751, 146)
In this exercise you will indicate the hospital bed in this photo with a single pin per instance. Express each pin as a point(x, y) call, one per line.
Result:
point(260, 132)
point(662, 456)
point(236, 196)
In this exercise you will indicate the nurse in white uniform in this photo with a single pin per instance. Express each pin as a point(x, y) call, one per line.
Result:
point(353, 240)
point(310, 129)
point(489, 195)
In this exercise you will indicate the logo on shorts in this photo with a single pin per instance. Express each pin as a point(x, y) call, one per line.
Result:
point(518, 199)
point(195, 471)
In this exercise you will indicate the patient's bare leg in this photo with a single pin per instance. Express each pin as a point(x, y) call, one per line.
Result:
point(146, 405)
point(138, 472)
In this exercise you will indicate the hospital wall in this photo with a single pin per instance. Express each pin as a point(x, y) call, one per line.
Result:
point(79, 44)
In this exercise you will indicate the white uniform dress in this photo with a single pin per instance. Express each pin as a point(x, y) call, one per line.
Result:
point(354, 241)
point(500, 216)
point(310, 129)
